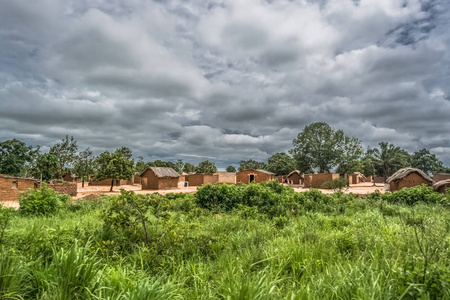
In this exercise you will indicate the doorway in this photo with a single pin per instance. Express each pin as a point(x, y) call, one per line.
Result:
point(252, 178)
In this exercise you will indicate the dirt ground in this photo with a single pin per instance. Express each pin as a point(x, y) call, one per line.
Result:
point(96, 191)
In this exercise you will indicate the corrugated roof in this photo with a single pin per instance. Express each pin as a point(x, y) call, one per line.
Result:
point(162, 172)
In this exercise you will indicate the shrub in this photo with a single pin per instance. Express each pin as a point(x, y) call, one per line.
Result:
point(42, 201)
point(219, 197)
point(411, 196)
point(338, 183)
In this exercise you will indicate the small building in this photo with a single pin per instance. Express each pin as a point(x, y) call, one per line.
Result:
point(442, 186)
point(10, 188)
point(440, 176)
point(281, 178)
point(356, 178)
point(201, 179)
point(316, 180)
point(254, 175)
point(295, 177)
point(71, 178)
point(226, 177)
point(159, 178)
point(408, 177)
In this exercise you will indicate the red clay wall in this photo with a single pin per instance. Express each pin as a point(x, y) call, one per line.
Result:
point(316, 180)
point(226, 177)
point(354, 179)
point(201, 179)
point(69, 188)
point(152, 182)
point(379, 179)
point(126, 182)
point(411, 180)
point(167, 183)
point(244, 176)
point(369, 179)
point(297, 179)
point(136, 179)
point(443, 188)
point(440, 176)
point(105, 182)
point(8, 193)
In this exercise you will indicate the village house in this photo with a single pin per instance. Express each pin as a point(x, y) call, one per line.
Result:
point(254, 175)
point(11, 187)
point(159, 178)
point(295, 177)
point(442, 186)
point(408, 177)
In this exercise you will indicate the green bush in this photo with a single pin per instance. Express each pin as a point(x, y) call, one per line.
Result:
point(42, 201)
point(219, 197)
point(338, 183)
point(411, 196)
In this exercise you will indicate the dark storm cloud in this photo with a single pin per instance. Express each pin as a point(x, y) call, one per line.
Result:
point(224, 80)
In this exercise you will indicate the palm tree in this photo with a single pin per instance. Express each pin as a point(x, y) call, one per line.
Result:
point(389, 158)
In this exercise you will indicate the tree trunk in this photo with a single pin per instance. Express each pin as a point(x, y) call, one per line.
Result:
point(82, 182)
point(112, 184)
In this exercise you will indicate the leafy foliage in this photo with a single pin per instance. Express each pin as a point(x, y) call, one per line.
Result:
point(65, 153)
point(114, 166)
point(335, 184)
point(42, 201)
point(417, 194)
point(46, 167)
point(84, 165)
point(388, 159)
point(206, 167)
point(251, 164)
point(14, 155)
point(426, 161)
point(281, 164)
point(231, 169)
point(189, 168)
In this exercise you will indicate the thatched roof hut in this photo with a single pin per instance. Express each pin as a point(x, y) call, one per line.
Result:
point(295, 177)
point(360, 176)
point(441, 186)
point(408, 177)
point(159, 178)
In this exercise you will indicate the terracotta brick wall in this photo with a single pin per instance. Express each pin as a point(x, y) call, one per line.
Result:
point(200, 179)
point(316, 180)
point(379, 179)
point(226, 177)
point(69, 188)
point(136, 179)
point(369, 179)
point(105, 182)
point(10, 188)
point(297, 179)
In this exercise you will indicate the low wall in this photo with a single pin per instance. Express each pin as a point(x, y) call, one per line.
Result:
point(316, 180)
point(69, 188)
point(379, 179)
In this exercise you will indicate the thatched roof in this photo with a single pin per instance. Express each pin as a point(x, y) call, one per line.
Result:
point(360, 175)
point(259, 170)
point(293, 172)
point(441, 183)
point(402, 173)
point(162, 172)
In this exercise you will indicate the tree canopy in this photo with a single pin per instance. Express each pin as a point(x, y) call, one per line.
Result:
point(251, 164)
point(389, 158)
point(426, 161)
point(189, 168)
point(231, 169)
point(84, 165)
point(114, 166)
point(14, 155)
point(65, 152)
point(206, 167)
point(281, 164)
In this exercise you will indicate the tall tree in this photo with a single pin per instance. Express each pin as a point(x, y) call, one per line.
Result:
point(179, 166)
point(206, 167)
point(114, 166)
point(231, 169)
point(46, 167)
point(389, 158)
point(281, 164)
point(351, 152)
point(426, 161)
point(66, 152)
point(84, 165)
point(317, 146)
point(251, 164)
point(189, 168)
point(141, 165)
point(14, 156)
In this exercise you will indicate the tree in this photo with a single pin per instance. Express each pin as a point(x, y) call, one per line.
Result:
point(281, 164)
point(206, 167)
point(189, 168)
point(14, 155)
point(231, 169)
point(46, 167)
point(317, 146)
point(179, 166)
point(389, 158)
point(84, 165)
point(141, 166)
point(251, 164)
point(427, 162)
point(65, 152)
point(114, 166)
point(351, 152)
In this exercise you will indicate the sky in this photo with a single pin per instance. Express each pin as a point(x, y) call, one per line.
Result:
point(224, 80)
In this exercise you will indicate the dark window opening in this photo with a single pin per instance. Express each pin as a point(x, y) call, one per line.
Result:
point(252, 178)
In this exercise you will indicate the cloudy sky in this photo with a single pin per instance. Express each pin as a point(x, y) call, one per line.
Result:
point(224, 80)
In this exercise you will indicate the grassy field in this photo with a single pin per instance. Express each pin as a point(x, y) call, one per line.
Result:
point(261, 241)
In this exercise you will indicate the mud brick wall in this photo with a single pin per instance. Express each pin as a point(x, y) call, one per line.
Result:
point(440, 176)
point(69, 188)
point(411, 180)
point(244, 176)
point(316, 180)
point(226, 177)
point(11, 188)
